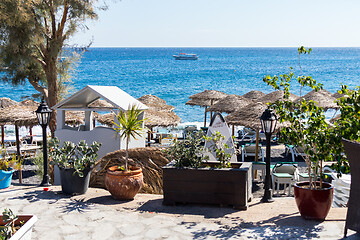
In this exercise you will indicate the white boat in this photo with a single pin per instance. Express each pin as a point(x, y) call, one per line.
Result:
point(185, 56)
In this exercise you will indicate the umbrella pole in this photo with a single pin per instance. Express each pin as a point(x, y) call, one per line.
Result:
point(233, 130)
point(257, 151)
point(3, 135)
point(18, 156)
point(205, 117)
point(31, 135)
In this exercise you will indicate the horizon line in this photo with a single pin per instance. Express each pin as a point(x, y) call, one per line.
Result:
point(222, 46)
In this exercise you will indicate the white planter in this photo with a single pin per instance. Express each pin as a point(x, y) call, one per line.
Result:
point(24, 233)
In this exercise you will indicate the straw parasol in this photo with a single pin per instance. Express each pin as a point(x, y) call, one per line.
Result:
point(254, 94)
point(322, 98)
point(248, 116)
point(337, 95)
point(230, 104)
point(205, 99)
point(276, 95)
point(156, 103)
point(209, 95)
point(153, 119)
point(6, 102)
point(100, 103)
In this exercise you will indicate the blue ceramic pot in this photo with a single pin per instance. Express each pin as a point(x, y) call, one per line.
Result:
point(5, 178)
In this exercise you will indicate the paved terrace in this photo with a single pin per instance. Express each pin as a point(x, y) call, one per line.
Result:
point(95, 215)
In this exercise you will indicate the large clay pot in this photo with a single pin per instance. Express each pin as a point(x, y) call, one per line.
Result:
point(123, 185)
point(73, 184)
point(313, 203)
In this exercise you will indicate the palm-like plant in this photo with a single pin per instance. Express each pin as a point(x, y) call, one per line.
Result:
point(130, 126)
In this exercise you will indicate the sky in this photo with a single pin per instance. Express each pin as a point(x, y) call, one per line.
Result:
point(225, 23)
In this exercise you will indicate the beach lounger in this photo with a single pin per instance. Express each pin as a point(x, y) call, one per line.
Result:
point(284, 173)
point(295, 151)
point(249, 150)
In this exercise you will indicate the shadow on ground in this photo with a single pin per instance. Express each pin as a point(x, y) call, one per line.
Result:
point(284, 226)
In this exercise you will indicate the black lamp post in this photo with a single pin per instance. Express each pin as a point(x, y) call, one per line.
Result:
point(43, 113)
point(268, 123)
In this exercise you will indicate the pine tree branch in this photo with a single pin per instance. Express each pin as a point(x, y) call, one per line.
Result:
point(61, 27)
point(35, 83)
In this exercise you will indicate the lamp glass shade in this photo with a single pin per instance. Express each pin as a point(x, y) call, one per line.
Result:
point(268, 121)
point(43, 114)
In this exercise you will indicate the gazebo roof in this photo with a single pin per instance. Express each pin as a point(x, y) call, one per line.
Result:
point(111, 94)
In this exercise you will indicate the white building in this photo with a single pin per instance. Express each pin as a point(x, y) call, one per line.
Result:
point(81, 101)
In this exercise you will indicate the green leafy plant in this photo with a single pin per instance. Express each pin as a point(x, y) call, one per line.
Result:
point(38, 160)
point(9, 219)
point(307, 126)
point(69, 155)
point(220, 148)
point(130, 126)
point(186, 153)
point(7, 162)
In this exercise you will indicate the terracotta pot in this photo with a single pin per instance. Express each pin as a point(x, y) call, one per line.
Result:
point(123, 185)
point(313, 203)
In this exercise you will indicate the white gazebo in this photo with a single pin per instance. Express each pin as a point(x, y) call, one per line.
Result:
point(83, 101)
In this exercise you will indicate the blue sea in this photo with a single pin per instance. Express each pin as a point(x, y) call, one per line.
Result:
point(140, 71)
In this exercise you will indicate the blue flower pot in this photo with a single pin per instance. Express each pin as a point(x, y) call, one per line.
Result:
point(5, 178)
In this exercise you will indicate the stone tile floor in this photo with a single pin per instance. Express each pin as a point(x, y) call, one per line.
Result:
point(95, 215)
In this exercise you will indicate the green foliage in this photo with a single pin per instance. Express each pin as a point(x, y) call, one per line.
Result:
point(34, 35)
point(39, 162)
point(7, 163)
point(73, 156)
point(9, 219)
point(220, 148)
point(308, 127)
point(130, 126)
point(187, 153)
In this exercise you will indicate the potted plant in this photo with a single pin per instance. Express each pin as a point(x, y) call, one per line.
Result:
point(7, 168)
point(124, 182)
point(349, 129)
point(75, 163)
point(16, 227)
point(189, 178)
point(307, 128)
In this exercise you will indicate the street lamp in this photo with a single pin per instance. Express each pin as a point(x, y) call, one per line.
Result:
point(268, 123)
point(43, 114)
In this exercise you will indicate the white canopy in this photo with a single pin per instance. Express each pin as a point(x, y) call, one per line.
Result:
point(112, 94)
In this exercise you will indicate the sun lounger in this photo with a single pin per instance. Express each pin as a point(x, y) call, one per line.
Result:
point(295, 151)
point(249, 150)
point(284, 173)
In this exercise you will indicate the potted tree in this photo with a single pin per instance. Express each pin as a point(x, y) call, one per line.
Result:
point(75, 163)
point(124, 182)
point(16, 227)
point(189, 178)
point(308, 129)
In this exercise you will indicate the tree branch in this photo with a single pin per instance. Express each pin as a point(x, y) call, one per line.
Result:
point(35, 83)
point(63, 19)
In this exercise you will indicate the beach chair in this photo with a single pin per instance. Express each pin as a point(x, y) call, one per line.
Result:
point(295, 151)
point(284, 173)
point(249, 150)
point(168, 140)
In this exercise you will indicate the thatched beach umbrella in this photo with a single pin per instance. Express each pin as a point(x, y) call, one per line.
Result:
point(100, 103)
point(153, 119)
point(248, 116)
point(276, 95)
point(254, 95)
point(337, 95)
point(209, 95)
point(156, 103)
point(230, 104)
point(205, 99)
point(19, 115)
point(322, 98)
point(4, 103)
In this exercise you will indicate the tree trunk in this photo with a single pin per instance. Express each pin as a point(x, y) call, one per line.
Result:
point(51, 99)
